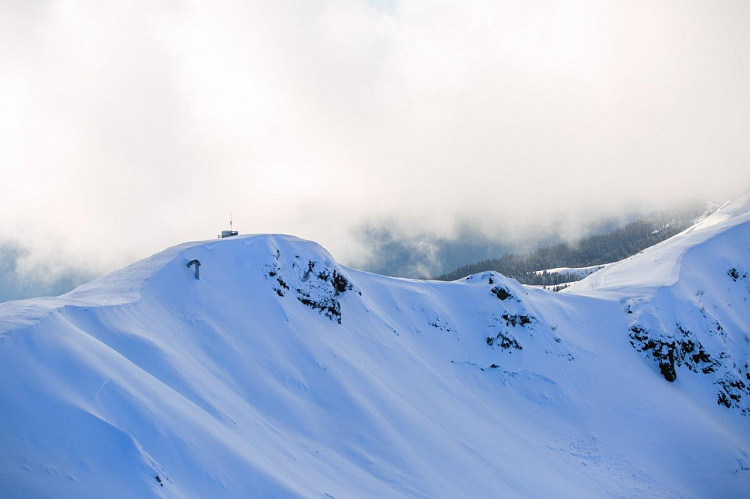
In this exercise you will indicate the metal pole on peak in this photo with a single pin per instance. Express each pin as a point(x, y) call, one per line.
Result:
point(231, 232)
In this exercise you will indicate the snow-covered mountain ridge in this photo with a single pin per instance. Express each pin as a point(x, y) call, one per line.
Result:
point(281, 372)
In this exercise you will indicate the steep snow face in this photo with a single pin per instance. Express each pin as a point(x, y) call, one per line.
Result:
point(687, 302)
point(660, 265)
point(280, 372)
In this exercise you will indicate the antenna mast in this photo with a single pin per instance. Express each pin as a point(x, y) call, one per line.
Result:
point(231, 232)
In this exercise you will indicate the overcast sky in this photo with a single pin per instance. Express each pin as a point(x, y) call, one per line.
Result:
point(126, 127)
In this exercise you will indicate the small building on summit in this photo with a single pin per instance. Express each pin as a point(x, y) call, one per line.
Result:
point(228, 233)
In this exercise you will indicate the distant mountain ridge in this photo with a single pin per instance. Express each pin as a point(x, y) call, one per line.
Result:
point(594, 250)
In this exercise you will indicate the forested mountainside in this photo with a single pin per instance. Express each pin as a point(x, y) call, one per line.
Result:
point(597, 249)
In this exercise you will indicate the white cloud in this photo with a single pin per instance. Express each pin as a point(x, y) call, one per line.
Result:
point(128, 127)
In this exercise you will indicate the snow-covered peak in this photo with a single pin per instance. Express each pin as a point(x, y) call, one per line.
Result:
point(281, 372)
point(223, 261)
point(220, 259)
point(660, 265)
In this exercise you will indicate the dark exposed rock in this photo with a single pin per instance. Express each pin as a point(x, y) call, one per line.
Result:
point(513, 320)
point(667, 370)
point(328, 307)
point(731, 392)
point(501, 292)
point(723, 400)
point(321, 294)
point(685, 350)
point(340, 283)
point(504, 341)
point(735, 274)
point(309, 271)
point(507, 342)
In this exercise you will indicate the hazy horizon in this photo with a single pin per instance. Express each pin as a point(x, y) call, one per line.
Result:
point(129, 128)
point(391, 250)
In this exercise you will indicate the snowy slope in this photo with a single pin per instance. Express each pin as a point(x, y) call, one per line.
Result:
point(280, 372)
point(687, 302)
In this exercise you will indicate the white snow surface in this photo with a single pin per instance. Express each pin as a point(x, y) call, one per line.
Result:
point(282, 373)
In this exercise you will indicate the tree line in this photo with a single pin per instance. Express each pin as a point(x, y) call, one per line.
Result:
point(597, 249)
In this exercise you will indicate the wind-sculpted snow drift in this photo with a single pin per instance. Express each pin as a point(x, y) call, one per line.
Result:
point(280, 372)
